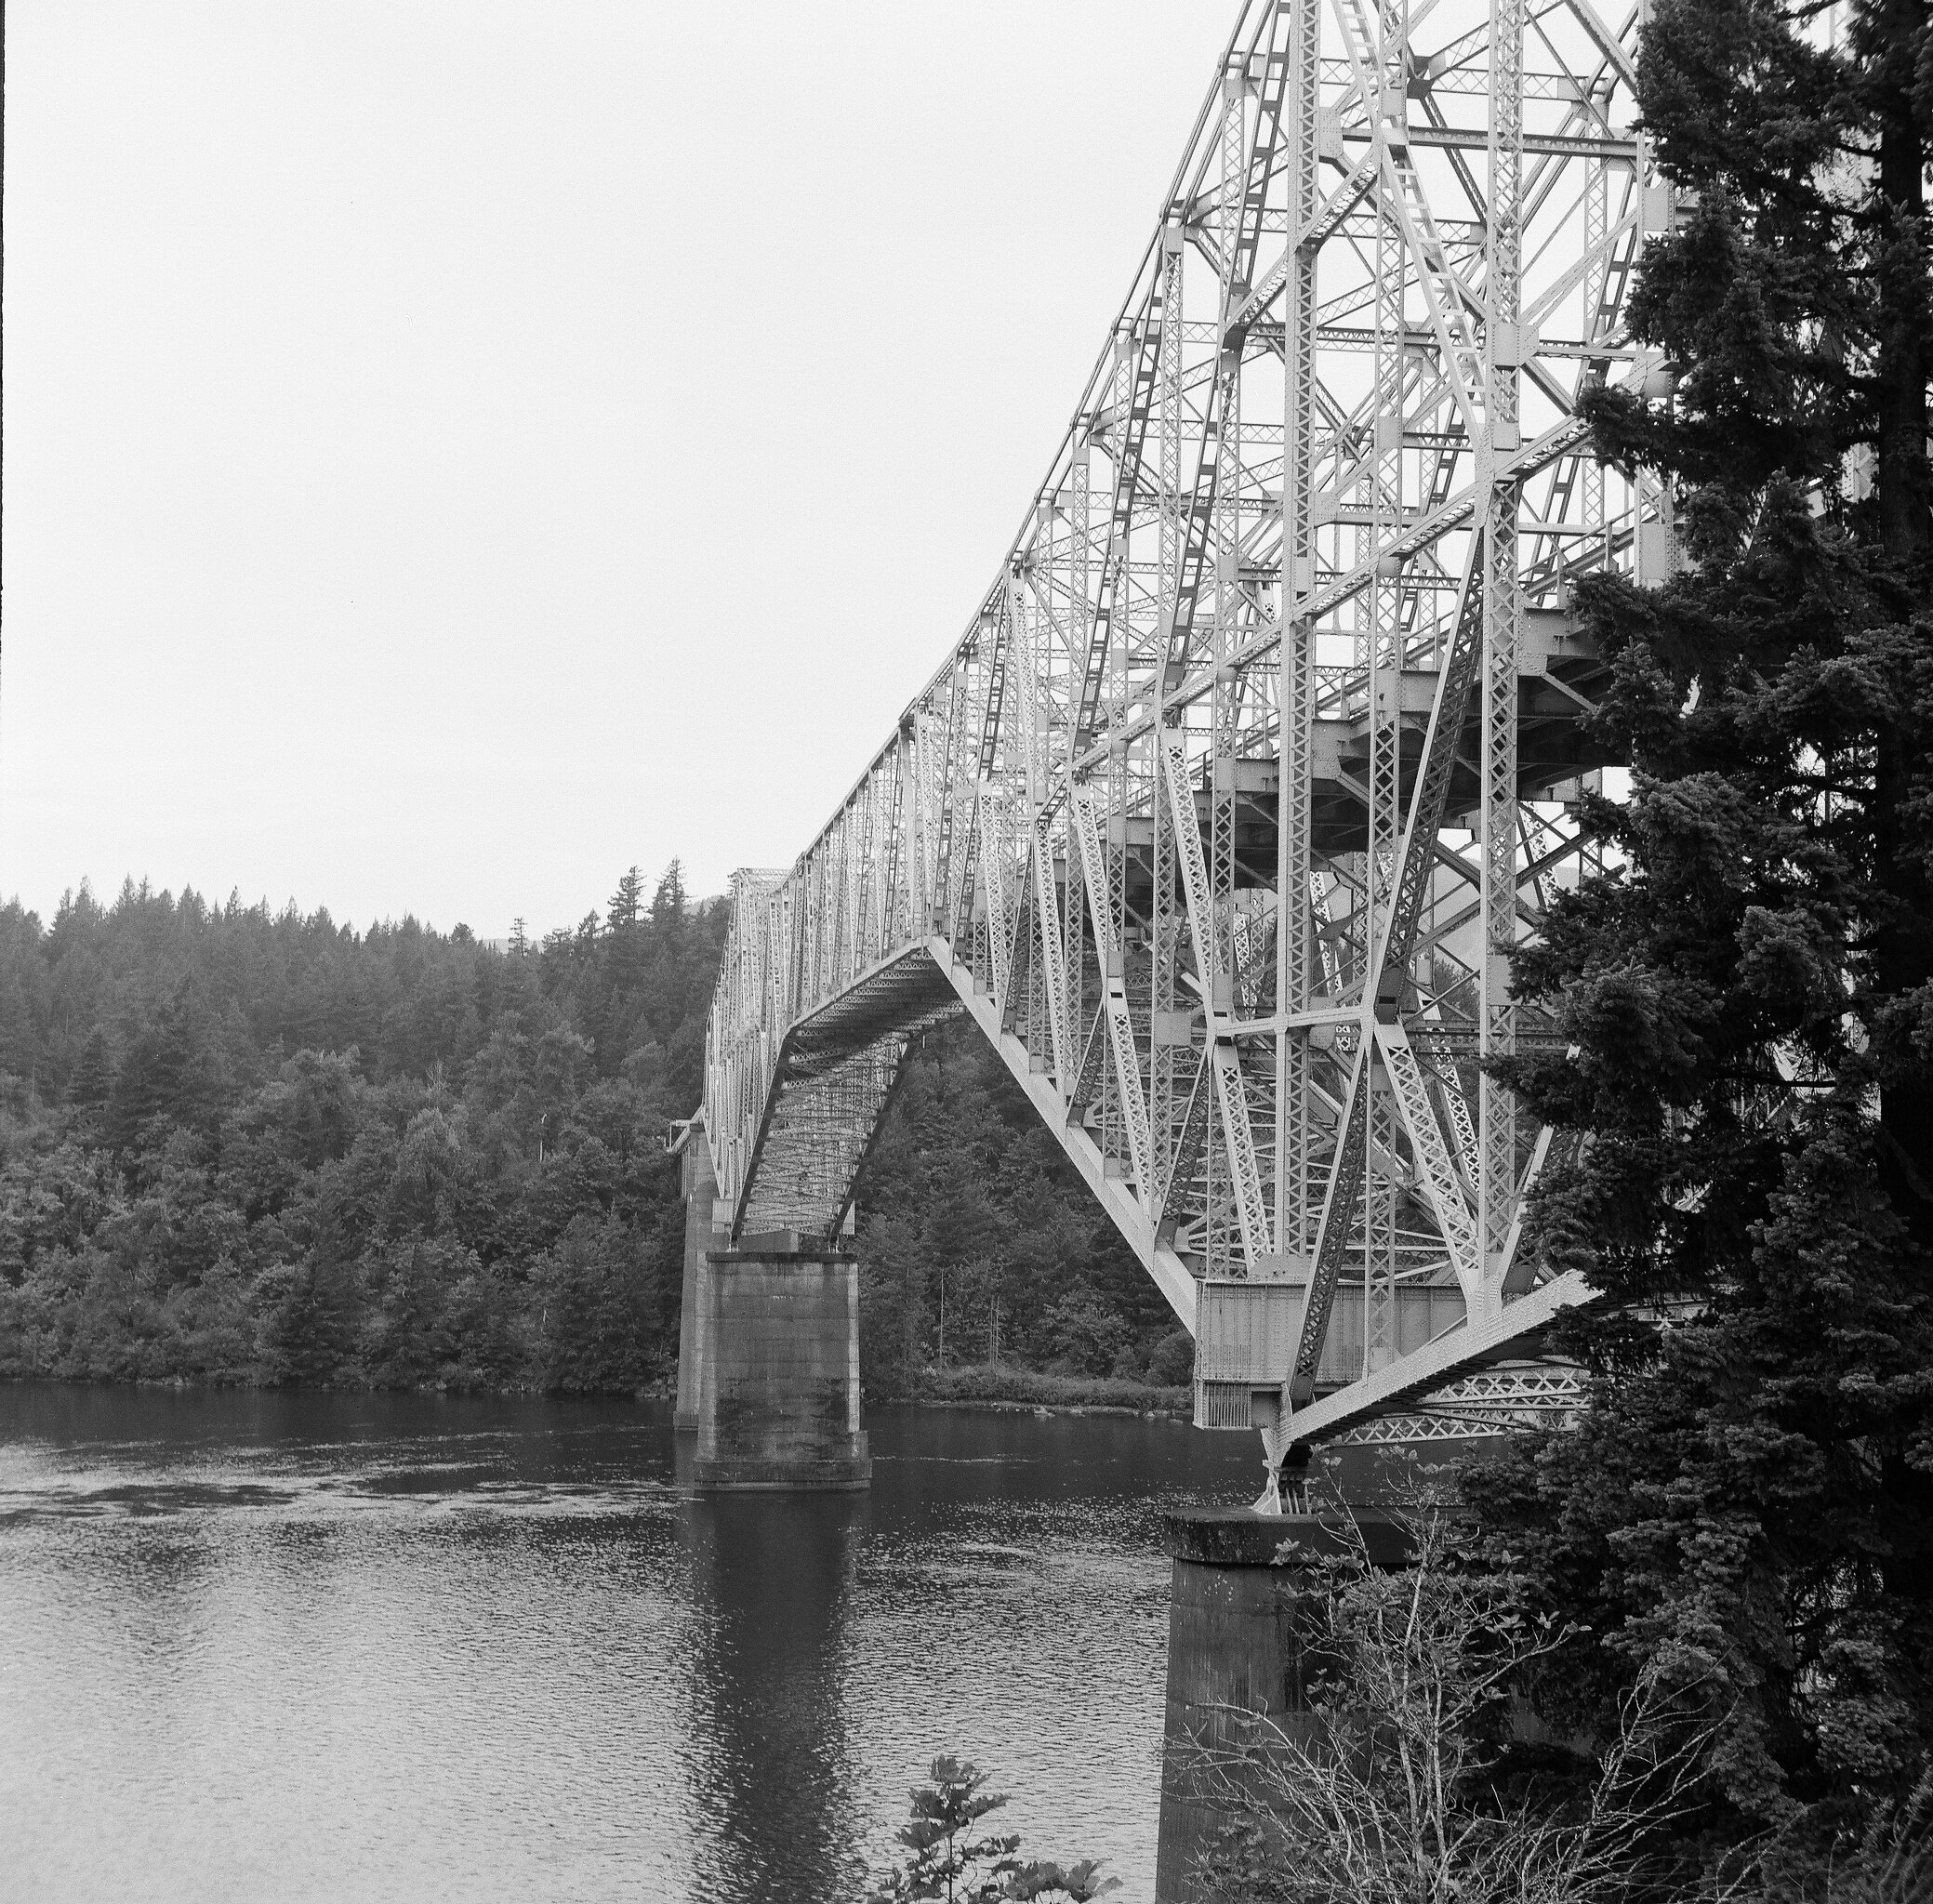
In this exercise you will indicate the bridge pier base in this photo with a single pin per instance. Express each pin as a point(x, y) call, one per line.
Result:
point(773, 1354)
point(1237, 1654)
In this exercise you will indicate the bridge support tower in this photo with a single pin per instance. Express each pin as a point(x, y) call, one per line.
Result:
point(771, 1365)
point(1238, 1630)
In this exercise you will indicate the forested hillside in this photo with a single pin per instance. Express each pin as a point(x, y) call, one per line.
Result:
point(979, 1243)
point(245, 1146)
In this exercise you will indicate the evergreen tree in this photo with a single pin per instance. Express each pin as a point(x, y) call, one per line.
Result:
point(627, 903)
point(951, 1865)
point(1749, 998)
point(667, 902)
point(94, 1075)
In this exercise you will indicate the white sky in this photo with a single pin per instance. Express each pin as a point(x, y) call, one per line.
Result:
point(456, 449)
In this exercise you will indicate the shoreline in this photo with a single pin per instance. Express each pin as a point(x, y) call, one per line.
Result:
point(1052, 1397)
point(987, 1406)
point(1030, 1391)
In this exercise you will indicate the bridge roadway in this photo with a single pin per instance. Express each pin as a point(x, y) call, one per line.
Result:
point(1269, 740)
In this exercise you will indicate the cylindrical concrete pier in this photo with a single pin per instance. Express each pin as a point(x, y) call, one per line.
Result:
point(1239, 1633)
point(774, 1371)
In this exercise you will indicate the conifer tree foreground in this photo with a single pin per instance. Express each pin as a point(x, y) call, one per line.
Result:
point(1749, 997)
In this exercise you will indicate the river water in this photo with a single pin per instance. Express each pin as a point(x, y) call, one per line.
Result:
point(267, 1646)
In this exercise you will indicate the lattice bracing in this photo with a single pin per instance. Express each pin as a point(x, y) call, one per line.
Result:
point(1262, 750)
point(1505, 1400)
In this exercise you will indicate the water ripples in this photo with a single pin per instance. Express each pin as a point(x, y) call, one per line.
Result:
point(406, 1647)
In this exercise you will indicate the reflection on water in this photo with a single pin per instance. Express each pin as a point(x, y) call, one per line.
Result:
point(356, 1647)
point(770, 1580)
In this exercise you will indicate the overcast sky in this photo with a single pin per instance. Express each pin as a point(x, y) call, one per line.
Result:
point(455, 451)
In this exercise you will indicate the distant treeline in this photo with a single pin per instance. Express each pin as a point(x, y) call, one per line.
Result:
point(246, 1146)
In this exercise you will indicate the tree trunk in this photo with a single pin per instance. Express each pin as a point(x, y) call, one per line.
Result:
point(1905, 494)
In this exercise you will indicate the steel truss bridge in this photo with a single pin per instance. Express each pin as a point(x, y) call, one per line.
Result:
point(1263, 748)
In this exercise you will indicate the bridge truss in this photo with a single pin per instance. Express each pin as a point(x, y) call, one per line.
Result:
point(1262, 750)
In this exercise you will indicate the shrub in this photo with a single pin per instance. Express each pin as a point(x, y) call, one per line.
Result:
point(1172, 1363)
point(950, 1862)
point(1082, 1335)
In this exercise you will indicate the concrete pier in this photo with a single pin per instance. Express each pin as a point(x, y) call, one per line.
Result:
point(770, 1357)
point(700, 1183)
point(1237, 1650)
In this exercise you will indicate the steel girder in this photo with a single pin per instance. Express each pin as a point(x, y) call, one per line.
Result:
point(1261, 752)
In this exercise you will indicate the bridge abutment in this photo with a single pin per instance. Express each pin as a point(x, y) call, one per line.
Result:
point(1239, 1630)
point(770, 1358)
